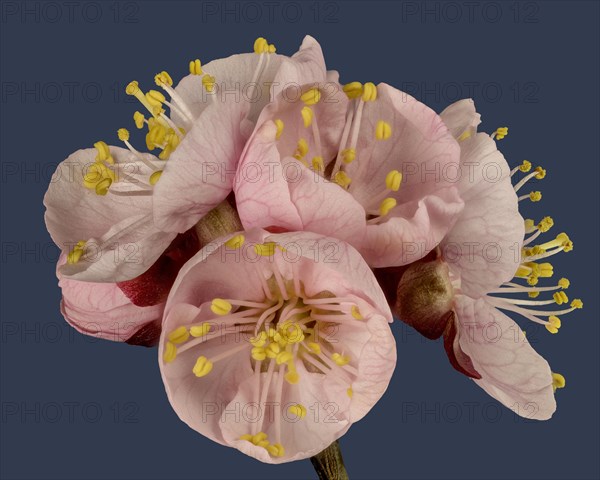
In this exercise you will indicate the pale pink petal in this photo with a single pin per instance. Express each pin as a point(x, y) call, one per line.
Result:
point(461, 118)
point(199, 173)
point(123, 241)
point(484, 246)
point(102, 310)
point(414, 229)
point(273, 189)
point(511, 370)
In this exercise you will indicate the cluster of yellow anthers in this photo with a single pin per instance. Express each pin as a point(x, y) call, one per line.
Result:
point(100, 175)
point(360, 94)
point(531, 270)
point(285, 328)
point(162, 131)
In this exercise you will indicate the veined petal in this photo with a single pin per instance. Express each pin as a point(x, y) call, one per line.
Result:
point(461, 118)
point(484, 246)
point(512, 371)
point(102, 310)
point(123, 240)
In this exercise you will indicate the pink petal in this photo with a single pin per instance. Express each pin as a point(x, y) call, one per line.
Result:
point(511, 370)
point(199, 174)
point(414, 229)
point(484, 245)
point(461, 117)
point(75, 213)
point(102, 310)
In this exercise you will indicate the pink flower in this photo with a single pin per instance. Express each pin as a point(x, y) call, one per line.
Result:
point(276, 344)
point(107, 208)
point(366, 165)
point(470, 280)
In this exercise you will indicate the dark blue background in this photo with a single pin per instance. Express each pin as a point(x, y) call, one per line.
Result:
point(74, 407)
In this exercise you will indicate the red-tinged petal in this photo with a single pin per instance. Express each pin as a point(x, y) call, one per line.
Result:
point(152, 287)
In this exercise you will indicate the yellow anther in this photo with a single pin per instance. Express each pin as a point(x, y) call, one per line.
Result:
point(545, 224)
point(546, 270)
point(297, 410)
point(350, 392)
point(259, 340)
point(551, 328)
point(383, 130)
point(259, 437)
point(208, 82)
point(96, 173)
point(75, 255)
point(266, 249)
point(235, 242)
point(195, 67)
point(170, 352)
point(317, 164)
point(555, 321)
point(541, 173)
point(369, 92)
point(525, 166)
point(155, 177)
point(386, 205)
point(272, 48)
point(163, 78)
point(535, 196)
point(577, 303)
point(179, 335)
point(533, 294)
point(348, 155)
point(463, 136)
point(561, 240)
point(353, 89)
point(311, 96)
point(393, 180)
point(138, 119)
point(532, 280)
point(132, 88)
point(276, 450)
point(202, 367)
point(123, 134)
point(155, 98)
point(292, 377)
point(301, 149)
point(261, 45)
point(102, 186)
point(246, 437)
point(501, 133)
point(560, 297)
point(342, 179)
point(279, 125)
point(200, 330)
point(272, 350)
point(283, 357)
point(558, 381)
point(220, 307)
point(564, 283)
point(529, 223)
point(314, 347)
point(103, 152)
point(340, 360)
point(307, 116)
point(356, 312)
point(258, 353)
